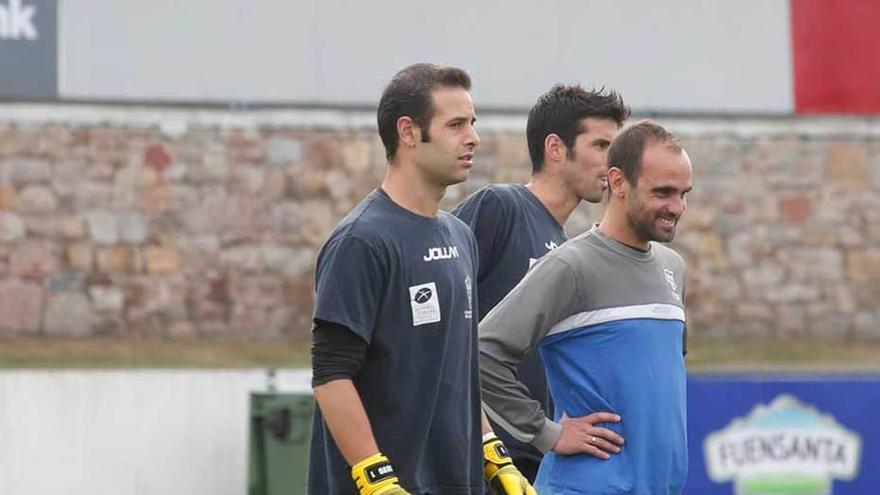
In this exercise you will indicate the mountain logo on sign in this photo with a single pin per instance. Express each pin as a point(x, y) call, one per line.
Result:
point(783, 448)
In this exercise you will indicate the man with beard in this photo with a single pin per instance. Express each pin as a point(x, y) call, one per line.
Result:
point(606, 311)
point(569, 130)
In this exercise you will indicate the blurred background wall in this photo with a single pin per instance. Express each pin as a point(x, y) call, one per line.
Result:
point(171, 168)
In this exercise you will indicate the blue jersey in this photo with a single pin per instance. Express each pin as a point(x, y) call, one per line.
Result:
point(609, 322)
point(513, 229)
point(404, 284)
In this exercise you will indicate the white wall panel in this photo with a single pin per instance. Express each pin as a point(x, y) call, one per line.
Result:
point(679, 55)
point(155, 432)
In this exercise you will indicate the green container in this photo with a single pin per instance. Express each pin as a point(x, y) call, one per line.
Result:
point(280, 430)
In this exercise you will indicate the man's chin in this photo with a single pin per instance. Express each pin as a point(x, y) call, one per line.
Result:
point(457, 179)
point(664, 236)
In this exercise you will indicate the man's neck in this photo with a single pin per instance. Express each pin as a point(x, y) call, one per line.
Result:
point(410, 191)
point(615, 226)
point(554, 196)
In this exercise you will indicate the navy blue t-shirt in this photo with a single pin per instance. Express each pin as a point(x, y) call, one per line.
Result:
point(513, 230)
point(404, 284)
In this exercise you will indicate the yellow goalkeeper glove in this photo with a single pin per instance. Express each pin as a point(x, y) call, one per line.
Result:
point(375, 476)
point(503, 477)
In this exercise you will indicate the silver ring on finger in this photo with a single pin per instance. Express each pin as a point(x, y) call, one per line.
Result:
point(592, 439)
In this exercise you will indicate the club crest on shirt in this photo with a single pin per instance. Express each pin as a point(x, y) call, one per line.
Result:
point(468, 286)
point(424, 303)
point(670, 279)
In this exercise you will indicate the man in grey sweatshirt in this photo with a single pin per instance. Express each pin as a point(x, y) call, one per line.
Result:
point(606, 312)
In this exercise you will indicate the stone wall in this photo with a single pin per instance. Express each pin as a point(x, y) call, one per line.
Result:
point(126, 221)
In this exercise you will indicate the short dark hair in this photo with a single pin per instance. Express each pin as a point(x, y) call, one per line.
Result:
point(628, 147)
point(409, 94)
point(560, 111)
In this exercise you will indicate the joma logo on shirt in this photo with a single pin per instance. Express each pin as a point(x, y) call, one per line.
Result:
point(441, 253)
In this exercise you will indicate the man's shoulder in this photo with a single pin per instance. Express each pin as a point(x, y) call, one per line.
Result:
point(369, 222)
point(668, 254)
point(458, 227)
point(497, 195)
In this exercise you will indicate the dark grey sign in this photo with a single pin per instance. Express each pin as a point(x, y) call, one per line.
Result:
point(28, 49)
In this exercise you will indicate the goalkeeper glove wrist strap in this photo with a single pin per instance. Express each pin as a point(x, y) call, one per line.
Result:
point(373, 474)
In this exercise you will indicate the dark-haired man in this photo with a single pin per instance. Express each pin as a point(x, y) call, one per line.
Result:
point(568, 132)
point(606, 311)
point(394, 356)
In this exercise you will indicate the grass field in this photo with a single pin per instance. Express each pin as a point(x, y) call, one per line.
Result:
point(708, 356)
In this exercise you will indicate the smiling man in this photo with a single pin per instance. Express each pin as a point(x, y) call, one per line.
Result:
point(394, 356)
point(606, 312)
point(569, 130)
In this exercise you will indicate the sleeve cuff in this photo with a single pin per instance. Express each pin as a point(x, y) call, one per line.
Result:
point(547, 437)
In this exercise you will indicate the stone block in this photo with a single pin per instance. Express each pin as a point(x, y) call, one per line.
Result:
point(249, 320)
point(65, 281)
point(107, 298)
point(69, 169)
point(848, 164)
point(867, 325)
point(754, 311)
point(132, 227)
point(863, 264)
point(820, 264)
point(212, 166)
point(26, 171)
point(792, 293)
point(244, 258)
point(32, 259)
point(8, 197)
point(68, 315)
point(11, 227)
point(37, 199)
point(795, 209)
point(157, 157)
point(258, 291)
point(70, 226)
point(833, 326)
point(118, 259)
point(40, 225)
point(791, 321)
point(103, 228)
point(766, 273)
point(248, 180)
point(356, 154)
point(287, 261)
point(283, 151)
point(21, 305)
point(79, 256)
point(87, 195)
point(162, 260)
point(182, 330)
point(275, 185)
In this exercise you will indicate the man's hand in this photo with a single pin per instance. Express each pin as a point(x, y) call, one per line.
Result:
point(375, 476)
point(581, 436)
point(503, 477)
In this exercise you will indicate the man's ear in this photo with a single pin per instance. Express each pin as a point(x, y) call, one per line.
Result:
point(616, 182)
point(554, 149)
point(408, 132)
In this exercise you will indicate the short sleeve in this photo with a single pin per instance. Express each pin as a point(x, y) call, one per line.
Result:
point(350, 280)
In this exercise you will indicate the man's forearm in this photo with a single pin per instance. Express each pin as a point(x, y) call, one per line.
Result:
point(344, 413)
